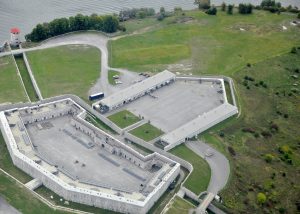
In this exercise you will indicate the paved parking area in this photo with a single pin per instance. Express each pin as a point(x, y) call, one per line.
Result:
point(100, 166)
point(176, 104)
point(6, 208)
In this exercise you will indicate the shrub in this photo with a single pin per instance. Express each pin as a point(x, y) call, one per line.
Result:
point(298, 16)
point(285, 149)
point(266, 134)
point(286, 116)
point(230, 9)
point(231, 151)
point(222, 134)
point(261, 198)
point(274, 127)
point(203, 4)
point(223, 7)
point(212, 11)
point(245, 8)
point(268, 158)
point(294, 50)
point(248, 129)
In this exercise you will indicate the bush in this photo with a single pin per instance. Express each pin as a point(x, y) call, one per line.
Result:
point(298, 16)
point(231, 151)
point(266, 134)
point(230, 9)
point(261, 198)
point(203, 4)
point(268, 158)
point(248, 129)
point(294, 50)
point(211, 11)
point(245, 8)
point(285, 149)
point(223, 6)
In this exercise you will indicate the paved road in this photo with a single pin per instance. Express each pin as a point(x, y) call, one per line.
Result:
point(94, 39)
point(6, 208)
point(220, 168)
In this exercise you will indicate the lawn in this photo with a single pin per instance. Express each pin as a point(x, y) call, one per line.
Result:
point(71, 69)
point(99, 124)
point(26, 78)
point(199, 179)
point(21, 198)
point(179, 206)
point(147, 132)
point(123, 119)
point(7, 164)
point(111, 75)
point(47, 193)
point(209, 44)
point(11, 88)
point(270, 119)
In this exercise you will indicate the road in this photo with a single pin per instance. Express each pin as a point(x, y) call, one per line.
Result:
point(94, 39)
point(220, 168)
point(6, 208)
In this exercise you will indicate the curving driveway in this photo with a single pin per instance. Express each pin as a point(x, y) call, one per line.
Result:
point(87, 38)
point(220, 168)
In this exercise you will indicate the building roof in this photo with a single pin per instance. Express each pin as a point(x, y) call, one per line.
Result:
point(200, 124)
point(15, 30)
point(137, 88)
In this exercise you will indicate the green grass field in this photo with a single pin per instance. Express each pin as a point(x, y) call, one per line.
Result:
point(21, 198)
point(179, 206)
point(270, 119)
point(146, 132)
point(111, 75)
point(69, 69)
point(43, 191)
point(26, 79)
point(199, 179)
point(124, 118)
point(212, 44)
point(11, 89)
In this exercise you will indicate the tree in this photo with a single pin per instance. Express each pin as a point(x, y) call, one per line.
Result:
point(177, 10)
point(223, 6)
point(245, 8)
point(110, 24)
point(162, 11)
point(203, 4)
point(261, 198)
point(212, 11)
point(230, 9)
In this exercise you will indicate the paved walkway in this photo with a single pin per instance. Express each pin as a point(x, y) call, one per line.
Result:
point(6, 208)
point(220, 168)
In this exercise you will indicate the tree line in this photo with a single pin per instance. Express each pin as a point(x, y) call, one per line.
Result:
point(107, 23)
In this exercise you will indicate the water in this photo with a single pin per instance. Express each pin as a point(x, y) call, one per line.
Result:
point(25, 14)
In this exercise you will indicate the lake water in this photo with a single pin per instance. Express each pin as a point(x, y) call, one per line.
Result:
point(25, 14)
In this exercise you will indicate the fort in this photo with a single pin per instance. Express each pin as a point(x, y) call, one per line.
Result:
point(54, 144)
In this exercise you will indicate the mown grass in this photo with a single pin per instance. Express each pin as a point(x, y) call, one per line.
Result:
point(7, 164)
point(47, 193)
point(98, 123)
point(124, 118)
point(11, 88)
point(71, 69)
point(179, 206)
point(21, 198)
point(211, 44)
point(275, 103)
point(199, 179)
point(146, 132)
point(111, 74)
point(26, 78)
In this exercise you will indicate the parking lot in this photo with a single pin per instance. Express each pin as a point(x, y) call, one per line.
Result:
point(176, 104)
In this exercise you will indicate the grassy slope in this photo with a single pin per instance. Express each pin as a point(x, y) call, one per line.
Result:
point(123, 118)
point(199, 179)
point(26, 79)
point(147, 132)
point(11, 88)
point(260, 107)
point(21, 198)
point(179, 206)
point(67, 69)
point(213, 44)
